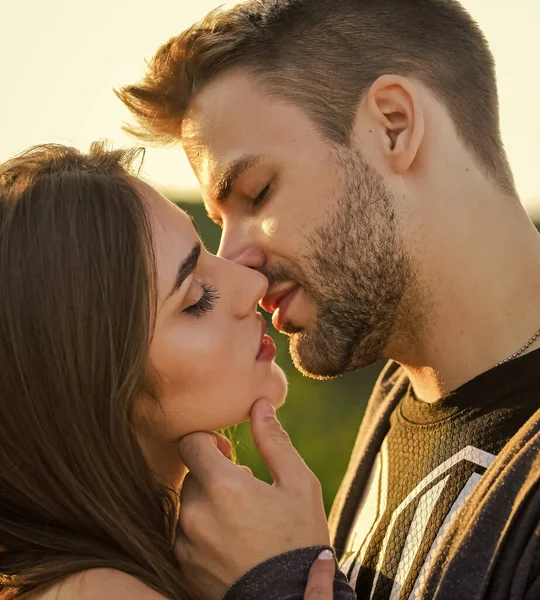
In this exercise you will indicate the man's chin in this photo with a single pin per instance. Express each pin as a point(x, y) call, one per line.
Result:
point(309, 360)
point(315, 358)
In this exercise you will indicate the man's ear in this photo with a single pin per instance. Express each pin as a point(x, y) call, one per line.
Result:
point(394, 104)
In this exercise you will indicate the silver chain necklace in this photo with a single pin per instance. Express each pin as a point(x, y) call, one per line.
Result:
point(531, 341)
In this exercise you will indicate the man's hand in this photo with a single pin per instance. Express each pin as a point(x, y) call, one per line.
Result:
point(320, 585)
point(230, 521)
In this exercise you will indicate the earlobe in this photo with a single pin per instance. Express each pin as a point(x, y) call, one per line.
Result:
point(393, 103)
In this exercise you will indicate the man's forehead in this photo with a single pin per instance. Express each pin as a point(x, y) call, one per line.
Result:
point(194, 135)
point(230, 110)
point(197, 146)
point(232, 118)
point(217, 102)
point(210, 148)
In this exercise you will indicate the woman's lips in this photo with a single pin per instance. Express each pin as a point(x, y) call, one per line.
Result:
point(267, 348)
point(267, 351)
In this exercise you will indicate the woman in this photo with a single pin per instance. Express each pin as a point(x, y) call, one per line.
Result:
point(119, 334)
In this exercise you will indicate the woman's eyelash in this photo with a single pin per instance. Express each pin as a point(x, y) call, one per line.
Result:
point(207, 301)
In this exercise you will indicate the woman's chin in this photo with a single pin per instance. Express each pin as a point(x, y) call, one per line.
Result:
point(278, 387)
point(274, 390)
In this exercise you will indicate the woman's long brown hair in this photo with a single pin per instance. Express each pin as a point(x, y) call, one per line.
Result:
point(76, 310)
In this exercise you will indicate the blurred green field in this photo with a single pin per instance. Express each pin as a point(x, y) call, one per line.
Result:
point(322, 417)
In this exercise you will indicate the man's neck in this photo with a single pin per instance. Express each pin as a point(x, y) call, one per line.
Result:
point(482, 300)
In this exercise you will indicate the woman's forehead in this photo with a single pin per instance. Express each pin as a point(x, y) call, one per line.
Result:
point(174, 236)
point(168, 220)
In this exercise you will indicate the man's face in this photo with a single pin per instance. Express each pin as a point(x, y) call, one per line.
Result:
point(316, 219)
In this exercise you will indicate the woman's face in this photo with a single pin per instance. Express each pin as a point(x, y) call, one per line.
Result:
point(207, 349)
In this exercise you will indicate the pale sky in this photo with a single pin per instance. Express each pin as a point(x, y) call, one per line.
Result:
point(60, 59)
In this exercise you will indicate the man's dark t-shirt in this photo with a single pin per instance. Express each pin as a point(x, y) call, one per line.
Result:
point(430, 461)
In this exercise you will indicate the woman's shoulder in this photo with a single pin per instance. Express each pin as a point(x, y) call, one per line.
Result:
point(100, 584)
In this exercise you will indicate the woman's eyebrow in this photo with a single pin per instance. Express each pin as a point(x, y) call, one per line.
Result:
point(187, 266)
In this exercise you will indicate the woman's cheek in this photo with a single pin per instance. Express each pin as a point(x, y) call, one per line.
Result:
point(207, 336)
point(205, 402)
point(207, 378)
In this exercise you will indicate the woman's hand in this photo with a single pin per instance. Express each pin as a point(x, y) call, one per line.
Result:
point(230, 521)
point(320, 585)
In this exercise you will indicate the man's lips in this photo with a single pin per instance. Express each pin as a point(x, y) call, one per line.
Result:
point(271, 302)
point(278, 303)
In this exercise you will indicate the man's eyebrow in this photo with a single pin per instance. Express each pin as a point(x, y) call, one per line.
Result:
point(229, 174)
point(185, 269)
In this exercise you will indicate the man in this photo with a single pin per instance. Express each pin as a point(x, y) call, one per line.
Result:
point(350, 150)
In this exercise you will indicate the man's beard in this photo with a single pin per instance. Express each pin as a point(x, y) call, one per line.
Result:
point(356, 271)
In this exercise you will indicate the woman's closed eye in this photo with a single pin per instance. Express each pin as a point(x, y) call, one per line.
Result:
point(205, 303)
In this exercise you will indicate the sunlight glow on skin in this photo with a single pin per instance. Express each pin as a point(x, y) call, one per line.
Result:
point(269, 226)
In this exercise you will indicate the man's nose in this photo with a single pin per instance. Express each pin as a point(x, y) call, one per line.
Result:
point(241, 249)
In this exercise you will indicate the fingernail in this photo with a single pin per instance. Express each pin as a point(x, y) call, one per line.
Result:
point(325, 555)
point(214, 440)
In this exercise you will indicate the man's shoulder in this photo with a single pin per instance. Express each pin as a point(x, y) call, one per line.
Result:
point(499, 523)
